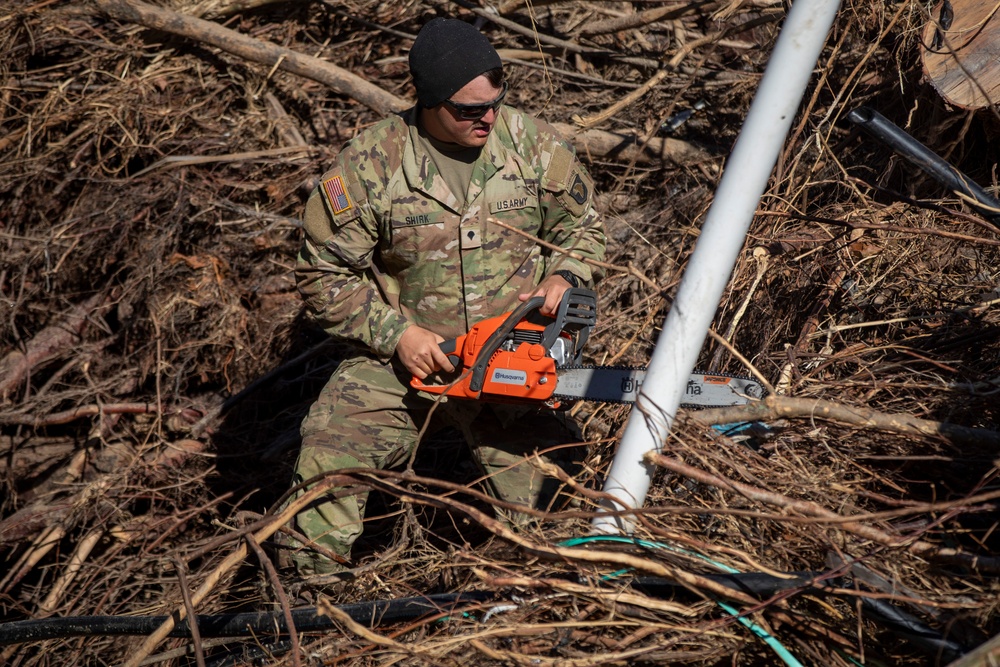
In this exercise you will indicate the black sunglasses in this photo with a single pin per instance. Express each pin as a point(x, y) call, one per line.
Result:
point(477, 111)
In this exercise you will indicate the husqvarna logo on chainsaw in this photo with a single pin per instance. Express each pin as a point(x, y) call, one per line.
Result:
point(503, 376)
point(693, 388)
point(629, 385)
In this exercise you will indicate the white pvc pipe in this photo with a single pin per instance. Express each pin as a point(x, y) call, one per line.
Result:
point(726, 223)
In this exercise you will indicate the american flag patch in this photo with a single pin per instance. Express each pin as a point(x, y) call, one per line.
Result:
point(337, 194)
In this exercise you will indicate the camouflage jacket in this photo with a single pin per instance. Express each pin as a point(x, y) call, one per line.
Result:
point(386, 246)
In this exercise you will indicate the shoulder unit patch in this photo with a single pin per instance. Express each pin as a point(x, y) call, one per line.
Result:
point(578, 191)
point(337, 195)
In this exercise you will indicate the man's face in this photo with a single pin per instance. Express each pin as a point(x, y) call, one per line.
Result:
point(445, 122)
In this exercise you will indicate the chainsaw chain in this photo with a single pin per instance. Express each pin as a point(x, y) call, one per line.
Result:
point(574, 367)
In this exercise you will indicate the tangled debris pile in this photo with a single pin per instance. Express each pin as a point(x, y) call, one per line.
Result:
point(155, 364)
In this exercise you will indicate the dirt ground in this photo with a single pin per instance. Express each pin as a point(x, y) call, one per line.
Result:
point(155, 360)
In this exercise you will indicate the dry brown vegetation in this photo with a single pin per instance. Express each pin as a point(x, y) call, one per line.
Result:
point(154, 363)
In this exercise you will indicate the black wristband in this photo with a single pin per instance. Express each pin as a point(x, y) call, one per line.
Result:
point(568, 276)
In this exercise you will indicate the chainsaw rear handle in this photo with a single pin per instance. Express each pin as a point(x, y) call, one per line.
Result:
point(576, 316)
point(450, 347)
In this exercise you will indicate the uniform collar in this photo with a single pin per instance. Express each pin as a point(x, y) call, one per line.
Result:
point(421, 174)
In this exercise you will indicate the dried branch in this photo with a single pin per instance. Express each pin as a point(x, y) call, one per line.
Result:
point(231, 561)
point(632, 97)
point(632, 147)
point(645, 17)
point(783, 407)
point(570, 46)
point(902, 229)
point(569, 253)
point(199, 651)
point(217, 8)
point(254, 50)
point(67, 416)
point(52, 342)
point(985, 564)
point(286, 609)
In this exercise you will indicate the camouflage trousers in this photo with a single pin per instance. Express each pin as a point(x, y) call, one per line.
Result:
point(367, 416)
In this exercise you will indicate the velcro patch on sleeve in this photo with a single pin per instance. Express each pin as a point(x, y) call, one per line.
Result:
point(336, 195)
point(559, 169)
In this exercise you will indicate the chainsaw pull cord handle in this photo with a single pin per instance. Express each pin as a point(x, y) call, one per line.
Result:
point(493, 343)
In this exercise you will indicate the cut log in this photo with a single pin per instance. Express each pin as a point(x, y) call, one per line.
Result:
point(961, 52)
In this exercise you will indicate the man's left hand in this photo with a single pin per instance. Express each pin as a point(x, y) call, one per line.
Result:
point(552, 288)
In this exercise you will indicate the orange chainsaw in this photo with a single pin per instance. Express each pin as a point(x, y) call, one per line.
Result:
point(526, 357)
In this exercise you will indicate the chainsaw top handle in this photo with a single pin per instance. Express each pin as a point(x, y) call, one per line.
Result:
point(577, 314)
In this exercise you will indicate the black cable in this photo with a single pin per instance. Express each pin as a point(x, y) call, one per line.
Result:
point(372, 613)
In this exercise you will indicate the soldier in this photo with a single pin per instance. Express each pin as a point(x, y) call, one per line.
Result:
point(402, 251)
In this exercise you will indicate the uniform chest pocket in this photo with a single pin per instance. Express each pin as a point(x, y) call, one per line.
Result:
point(515, 206)
point(513, 199)
point(419, 236)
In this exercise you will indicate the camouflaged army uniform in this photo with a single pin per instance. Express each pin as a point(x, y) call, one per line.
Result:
point(387, 245)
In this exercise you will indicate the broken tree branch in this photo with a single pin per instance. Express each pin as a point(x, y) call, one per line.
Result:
point(810, 509)
point(642, 18)
point(50, 343)
point(783, 407)
point(595, 119)
point(67, 416)
point(630, 147)
point(255, 50)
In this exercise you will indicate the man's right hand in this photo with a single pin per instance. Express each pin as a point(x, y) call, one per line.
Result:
point(420, 353)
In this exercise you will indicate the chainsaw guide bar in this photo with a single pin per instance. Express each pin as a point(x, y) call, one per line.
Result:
point(622, 384)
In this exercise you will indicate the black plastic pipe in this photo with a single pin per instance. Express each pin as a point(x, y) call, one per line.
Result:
point(263, 623)
point(916, 153)
point(759, 584)
point(913, 630)
point(374, 613)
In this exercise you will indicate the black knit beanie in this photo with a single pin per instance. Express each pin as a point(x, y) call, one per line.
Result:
point(447, 54)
